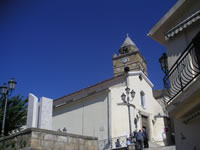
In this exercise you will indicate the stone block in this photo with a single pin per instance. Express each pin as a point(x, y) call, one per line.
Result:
point(62, 139)
point(45, 113)
point(47, 144)
point(35, 143)
point(76, 146)
point(76, 141)
point(35, 135)
point(59, 145)
point(88, 143)
point(27, 148)
point(32, 115)
point(69, 147)
point(26, 142)
point(81, 141)
point(81, 147)
point(38, 139)
point(70, 139)
point(49, 137)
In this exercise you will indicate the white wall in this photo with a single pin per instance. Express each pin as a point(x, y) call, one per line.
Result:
point(187, 135)
point(119, 115)
point(88, 117)
point(175, 46)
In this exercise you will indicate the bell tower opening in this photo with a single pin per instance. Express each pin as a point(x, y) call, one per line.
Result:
point(126, 69)
point(128, 59)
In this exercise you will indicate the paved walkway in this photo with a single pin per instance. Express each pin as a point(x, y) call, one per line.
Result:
point(162, 148)
point(132, 147)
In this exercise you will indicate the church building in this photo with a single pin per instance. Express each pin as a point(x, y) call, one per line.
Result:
point(115, 107)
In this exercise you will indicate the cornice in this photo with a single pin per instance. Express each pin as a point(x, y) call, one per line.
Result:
point(137, 73)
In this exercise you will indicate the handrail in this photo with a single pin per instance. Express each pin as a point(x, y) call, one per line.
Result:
point(184, 70)
point(111, 143)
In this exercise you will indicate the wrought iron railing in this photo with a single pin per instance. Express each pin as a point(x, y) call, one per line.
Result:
point(122, 141)
point(184, 71)
point(111, 144)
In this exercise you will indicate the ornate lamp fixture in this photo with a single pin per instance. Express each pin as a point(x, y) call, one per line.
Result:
point(6, 91)
point(126, 99)
point(163, 63)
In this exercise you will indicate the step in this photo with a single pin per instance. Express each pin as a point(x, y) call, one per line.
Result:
point(162, 148)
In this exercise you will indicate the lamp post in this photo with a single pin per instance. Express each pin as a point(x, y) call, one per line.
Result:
point(5, 92)
point(126, 101)
point(163, 63)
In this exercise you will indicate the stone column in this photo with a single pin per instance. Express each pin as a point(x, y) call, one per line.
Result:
point(45, 113)
point(32, 115)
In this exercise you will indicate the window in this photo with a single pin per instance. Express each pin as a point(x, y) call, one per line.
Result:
point(143, 100)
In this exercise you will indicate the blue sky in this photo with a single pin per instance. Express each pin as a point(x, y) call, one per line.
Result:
point(57, 47)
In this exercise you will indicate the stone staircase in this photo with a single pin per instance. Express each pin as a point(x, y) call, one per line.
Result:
point(162, 148)
point(153, 146)
point(132, 147)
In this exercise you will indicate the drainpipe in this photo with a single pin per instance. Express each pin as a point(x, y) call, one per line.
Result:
point(109, 118)
point(126, 80)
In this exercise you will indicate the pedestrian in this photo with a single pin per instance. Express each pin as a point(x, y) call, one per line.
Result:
point(146, 138)
point(140, 139)
point(133, 140)
point(117, 143)
point(128, 141)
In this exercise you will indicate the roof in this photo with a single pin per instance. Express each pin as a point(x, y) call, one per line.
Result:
point(159, 93)
point(168, 21)
point(88, 91)
point(183, 25)
point(99, 87)
point(128, 42)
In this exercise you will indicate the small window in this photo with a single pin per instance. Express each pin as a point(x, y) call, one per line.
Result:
point(143, 100)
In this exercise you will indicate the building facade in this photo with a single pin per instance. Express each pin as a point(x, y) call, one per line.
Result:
point(99, 110)
point(179, 32)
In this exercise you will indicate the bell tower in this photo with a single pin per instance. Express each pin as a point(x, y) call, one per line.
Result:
point(129, 59)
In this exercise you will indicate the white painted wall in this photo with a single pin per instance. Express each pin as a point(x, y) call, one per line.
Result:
point(187, 135)
point(119, 115)
point(39, 114)
point(32, 114)
point(175, 46)
point(86, 117)
point(90, 115)
point(45, 113)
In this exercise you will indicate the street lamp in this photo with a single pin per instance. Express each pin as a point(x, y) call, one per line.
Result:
point(163, 63)
point(6, 91)
point(126, 99)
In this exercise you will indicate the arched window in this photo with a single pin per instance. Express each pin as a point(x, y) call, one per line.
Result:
point(143, 100)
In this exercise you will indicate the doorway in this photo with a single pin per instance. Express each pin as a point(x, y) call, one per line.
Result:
point(145, 123)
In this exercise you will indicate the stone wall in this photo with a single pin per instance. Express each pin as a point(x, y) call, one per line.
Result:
point(40, 139)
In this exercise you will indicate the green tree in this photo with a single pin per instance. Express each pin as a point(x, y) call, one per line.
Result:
point(15, 114)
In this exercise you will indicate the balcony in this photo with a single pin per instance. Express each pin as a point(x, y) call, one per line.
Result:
point(184, 71)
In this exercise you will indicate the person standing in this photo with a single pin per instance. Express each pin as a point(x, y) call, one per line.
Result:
point(140, 139)
point(128, 142)
point(146, 138)
point(117, 143)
